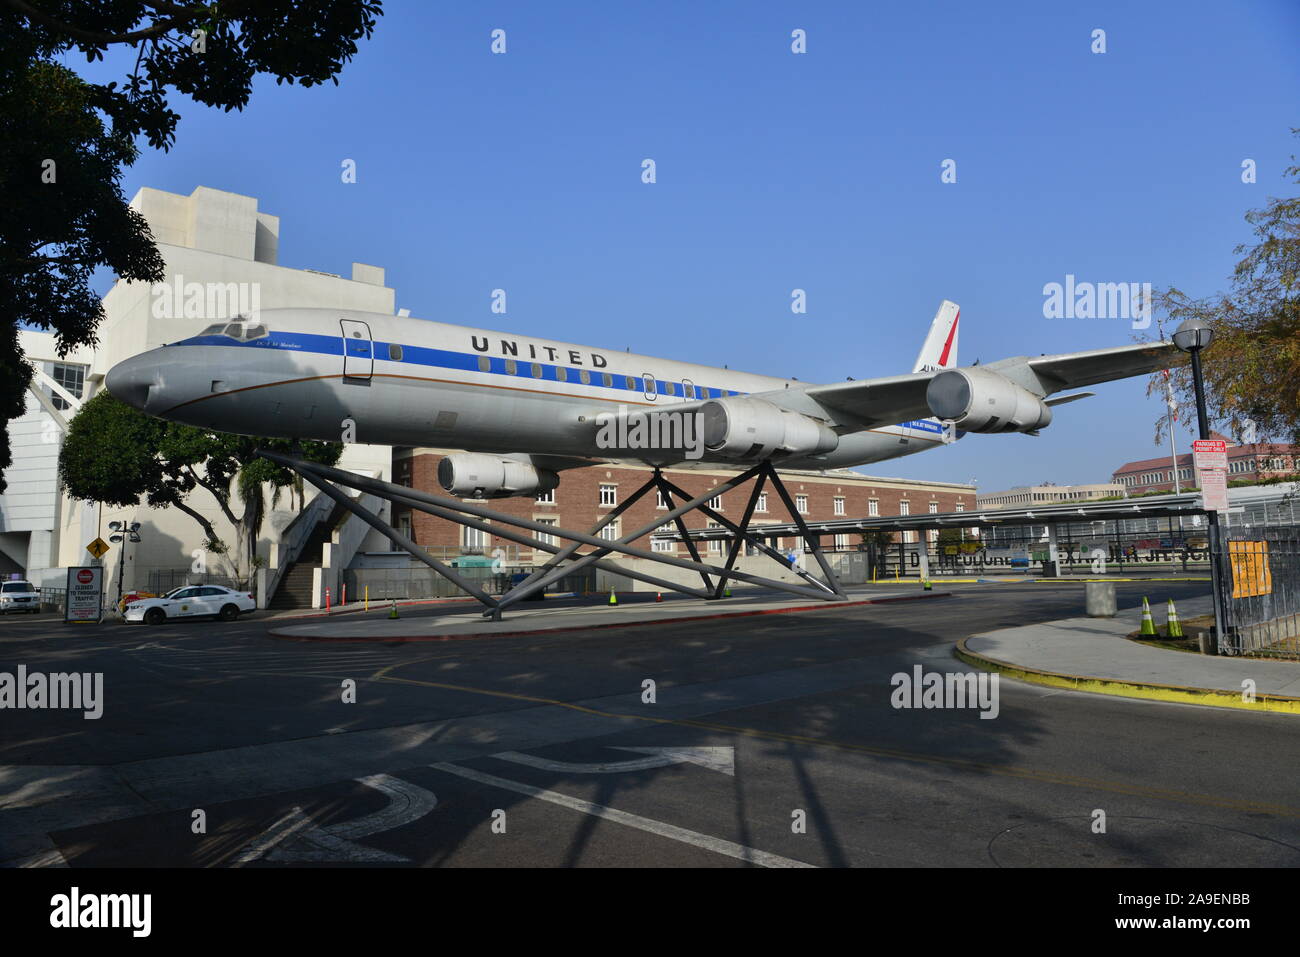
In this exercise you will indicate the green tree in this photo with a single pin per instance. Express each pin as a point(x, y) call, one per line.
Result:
point(116, 455)
point(66, 140)
point(1252, 370)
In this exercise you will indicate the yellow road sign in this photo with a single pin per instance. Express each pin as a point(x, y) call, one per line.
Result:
point(97, 548)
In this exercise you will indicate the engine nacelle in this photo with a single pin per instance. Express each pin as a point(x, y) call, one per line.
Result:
point(753, 429)
point(472, 475)
point(981, 400)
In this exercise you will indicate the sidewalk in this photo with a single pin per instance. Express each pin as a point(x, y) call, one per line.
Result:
point(524, 619)
point(1094, 654)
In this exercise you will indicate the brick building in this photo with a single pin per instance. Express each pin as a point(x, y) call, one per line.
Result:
point(585, 494)
point(1249, 463)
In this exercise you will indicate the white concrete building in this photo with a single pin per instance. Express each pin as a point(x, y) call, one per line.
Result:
point(223, 243)
point(1048, 494)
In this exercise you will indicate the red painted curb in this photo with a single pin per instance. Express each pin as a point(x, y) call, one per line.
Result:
point(820, 606)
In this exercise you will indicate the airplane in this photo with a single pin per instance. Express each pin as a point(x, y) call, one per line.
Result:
point(523, 409)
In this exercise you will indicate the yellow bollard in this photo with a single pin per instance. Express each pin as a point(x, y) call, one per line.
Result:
point(367, 598)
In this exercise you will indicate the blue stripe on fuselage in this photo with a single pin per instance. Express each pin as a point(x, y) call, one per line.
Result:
point(469, 362)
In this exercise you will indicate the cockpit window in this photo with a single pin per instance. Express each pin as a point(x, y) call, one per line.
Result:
point(243, 332)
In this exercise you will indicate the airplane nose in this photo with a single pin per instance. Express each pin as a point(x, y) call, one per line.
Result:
point(131, 380)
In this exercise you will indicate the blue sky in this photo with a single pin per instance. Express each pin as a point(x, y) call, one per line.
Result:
point(779, 171)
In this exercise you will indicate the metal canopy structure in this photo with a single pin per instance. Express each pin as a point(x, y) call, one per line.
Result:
point(1157, 506)
point(567, 559)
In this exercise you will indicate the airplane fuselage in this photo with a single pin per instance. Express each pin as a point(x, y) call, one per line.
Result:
point(313, 374)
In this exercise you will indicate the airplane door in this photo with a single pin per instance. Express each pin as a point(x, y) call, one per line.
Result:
point(688, 387)
point(358, 355)
point(648, 380)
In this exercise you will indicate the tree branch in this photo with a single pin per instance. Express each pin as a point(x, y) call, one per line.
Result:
point(90, 36)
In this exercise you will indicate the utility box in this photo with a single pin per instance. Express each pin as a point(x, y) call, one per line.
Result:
point(1100, 599)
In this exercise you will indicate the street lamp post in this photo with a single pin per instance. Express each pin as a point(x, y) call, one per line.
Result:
point(124, 533)
point(1191, 337)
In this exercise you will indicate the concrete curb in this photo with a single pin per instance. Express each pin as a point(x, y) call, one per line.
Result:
point(820, 606)
point(1213, 697)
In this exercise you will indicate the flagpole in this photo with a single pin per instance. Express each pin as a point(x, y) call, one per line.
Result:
point(1171, 406)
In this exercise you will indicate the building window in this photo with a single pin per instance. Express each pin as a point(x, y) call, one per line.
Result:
point(873, 506)
point(71, 377)
point(543, 537)
point(610, 531)
point(904, 507)
point(660, 501)
point(762, 502)
point(715, 544)
point(663, 544)
point(715, 503)
point(474, 540)
point(801, 504)
point(841, 543)
point(959, 507)
point(609, 495)
point(839, 505)
point(547, 497)
point(934, 508)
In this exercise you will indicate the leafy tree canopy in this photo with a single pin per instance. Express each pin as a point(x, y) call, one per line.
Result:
point(116, 455)
point(66, 140)
point(1252, 369)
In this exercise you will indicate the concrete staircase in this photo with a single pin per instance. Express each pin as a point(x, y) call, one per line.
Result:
point(295, 588)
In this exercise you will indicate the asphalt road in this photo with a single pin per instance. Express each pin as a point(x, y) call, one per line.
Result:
point(510, 751)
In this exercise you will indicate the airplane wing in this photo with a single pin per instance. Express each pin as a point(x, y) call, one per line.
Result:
point(870, 403)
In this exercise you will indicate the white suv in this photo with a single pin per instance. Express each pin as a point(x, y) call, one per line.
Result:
point(19, 595)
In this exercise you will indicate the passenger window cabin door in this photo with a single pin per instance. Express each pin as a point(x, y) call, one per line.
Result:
point(651, 390)
point(184, 603)
point(210, 600)
point(358, 351)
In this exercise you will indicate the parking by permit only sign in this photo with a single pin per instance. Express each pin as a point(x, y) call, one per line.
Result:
point(85, 594)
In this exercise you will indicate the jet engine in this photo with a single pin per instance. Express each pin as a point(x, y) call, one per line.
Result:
point(753, 429)
point(473, 475)
point(981, 400)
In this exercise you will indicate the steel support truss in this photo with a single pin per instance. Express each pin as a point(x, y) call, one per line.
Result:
point(566, 559)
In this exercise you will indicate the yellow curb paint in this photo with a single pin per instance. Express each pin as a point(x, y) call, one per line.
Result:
point(1277, 704)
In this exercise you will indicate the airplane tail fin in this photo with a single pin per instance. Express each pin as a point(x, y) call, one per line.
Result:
point(940, 348)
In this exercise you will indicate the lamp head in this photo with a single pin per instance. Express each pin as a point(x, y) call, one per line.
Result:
point(1192, 335)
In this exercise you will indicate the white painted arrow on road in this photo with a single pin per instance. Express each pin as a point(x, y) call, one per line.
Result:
point(295, 837)
point(715, 759)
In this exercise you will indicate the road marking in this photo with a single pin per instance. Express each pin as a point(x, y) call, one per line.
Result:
point(1011, 771)
point(281, 830)
point(673, 832)
point(296, 838)
point(715, 759)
